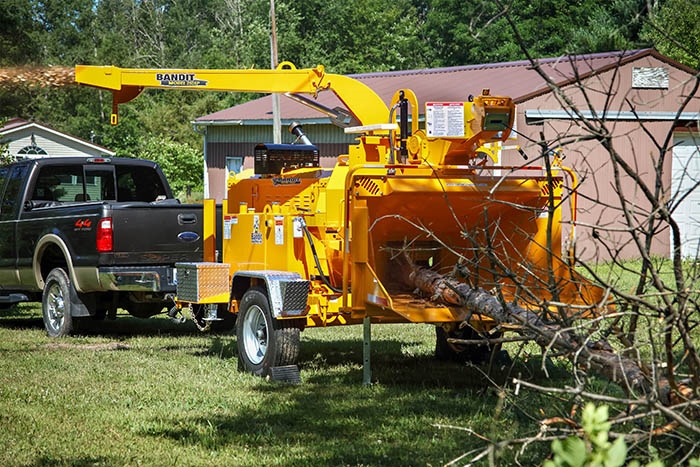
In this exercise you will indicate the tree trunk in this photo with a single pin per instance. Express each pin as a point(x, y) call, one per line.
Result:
point(599, 356)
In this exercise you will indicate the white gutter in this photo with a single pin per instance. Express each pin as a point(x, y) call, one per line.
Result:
point(535, 114)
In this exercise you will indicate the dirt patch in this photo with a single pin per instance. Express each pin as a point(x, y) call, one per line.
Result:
point(93, 347)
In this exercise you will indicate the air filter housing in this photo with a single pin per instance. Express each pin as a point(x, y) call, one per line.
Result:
point(271, 159)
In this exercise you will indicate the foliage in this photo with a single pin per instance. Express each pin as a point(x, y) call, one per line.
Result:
point(675, 31)
point(611, 26)
point(347, 37)
point(16, 42)
point(181, 163)
point(5, 155)
point(352, 37)
point(478, 32)
point(594, 449)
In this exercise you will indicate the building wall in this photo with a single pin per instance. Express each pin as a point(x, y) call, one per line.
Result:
point(240, 140)
point(53, 144)
point(602, 191)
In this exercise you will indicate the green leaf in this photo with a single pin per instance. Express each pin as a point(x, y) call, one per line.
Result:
point(617, 453)
point(570, 453)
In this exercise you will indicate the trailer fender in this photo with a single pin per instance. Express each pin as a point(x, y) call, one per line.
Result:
point(287, 292)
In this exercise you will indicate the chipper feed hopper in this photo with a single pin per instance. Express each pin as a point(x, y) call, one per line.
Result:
point(305, 245)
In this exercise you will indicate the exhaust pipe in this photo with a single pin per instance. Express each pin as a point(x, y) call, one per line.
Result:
point(295, 129)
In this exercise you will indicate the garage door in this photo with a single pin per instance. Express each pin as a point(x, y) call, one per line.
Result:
point(685, 177)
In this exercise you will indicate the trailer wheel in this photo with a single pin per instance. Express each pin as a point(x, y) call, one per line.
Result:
point(263, 342)
point(56, 304)
point(448, 351)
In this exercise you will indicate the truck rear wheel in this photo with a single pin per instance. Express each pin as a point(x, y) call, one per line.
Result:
point(263, 342)
point(56, 304)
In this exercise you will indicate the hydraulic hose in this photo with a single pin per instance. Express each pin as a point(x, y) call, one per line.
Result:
point(324, 278)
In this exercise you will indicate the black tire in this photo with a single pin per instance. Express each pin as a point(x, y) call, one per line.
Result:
point(263, 342)
point(448, 351)
point(56, 304)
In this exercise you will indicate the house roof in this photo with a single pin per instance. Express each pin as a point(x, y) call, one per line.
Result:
point(15, 125)
point(517, 79)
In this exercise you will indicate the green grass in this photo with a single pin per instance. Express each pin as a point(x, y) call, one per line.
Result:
point(149, 392)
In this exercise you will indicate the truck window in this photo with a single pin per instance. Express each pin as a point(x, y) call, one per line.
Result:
point(99, 183)
point(69, 184)
point(135, 183)
point(10, 201)
point(3, 176)
point(58, 183)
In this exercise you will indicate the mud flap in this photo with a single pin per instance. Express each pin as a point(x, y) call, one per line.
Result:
point(285, 374)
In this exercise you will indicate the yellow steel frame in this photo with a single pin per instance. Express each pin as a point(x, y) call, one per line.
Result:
point(346, 221)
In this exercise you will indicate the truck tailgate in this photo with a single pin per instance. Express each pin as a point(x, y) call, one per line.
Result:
point(157, 233)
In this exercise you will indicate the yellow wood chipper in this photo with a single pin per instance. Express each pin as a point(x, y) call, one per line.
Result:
point(305, 245)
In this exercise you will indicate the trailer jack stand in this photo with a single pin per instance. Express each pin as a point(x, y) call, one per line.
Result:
point(366, 351)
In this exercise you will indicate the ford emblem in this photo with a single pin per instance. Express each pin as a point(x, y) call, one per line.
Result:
point(188, 237)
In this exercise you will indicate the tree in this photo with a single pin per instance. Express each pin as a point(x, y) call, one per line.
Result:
point(650, 343)
point(675, 31)
point(16, 41)
point(182, 165)
point(462, 33)
point(351, 37)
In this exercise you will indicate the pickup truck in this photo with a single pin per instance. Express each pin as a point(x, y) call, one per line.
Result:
point(86, 236)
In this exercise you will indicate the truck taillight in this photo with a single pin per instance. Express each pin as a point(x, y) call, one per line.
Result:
point(104, 235)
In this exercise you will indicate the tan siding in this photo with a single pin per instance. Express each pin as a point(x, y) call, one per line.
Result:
point(599, 200)
point(54, 145)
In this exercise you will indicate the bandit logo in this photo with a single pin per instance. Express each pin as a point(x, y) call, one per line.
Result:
point(179, 79)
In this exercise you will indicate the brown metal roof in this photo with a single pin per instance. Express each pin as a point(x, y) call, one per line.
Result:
point(516, 79)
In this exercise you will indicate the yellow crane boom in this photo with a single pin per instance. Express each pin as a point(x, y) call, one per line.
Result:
point(126, 84)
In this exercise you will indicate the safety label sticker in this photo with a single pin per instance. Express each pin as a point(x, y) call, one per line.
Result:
point(444, 119)
point(279, 230)
point(256, 237)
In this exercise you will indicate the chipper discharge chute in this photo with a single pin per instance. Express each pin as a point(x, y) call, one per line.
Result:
point(384, 236)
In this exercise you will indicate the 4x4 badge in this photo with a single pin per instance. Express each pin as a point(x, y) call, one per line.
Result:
point(83, 224)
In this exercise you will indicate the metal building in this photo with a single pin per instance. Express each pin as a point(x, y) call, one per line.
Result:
point(637, 93)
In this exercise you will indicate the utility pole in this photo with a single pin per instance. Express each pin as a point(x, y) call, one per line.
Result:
point(276, 120)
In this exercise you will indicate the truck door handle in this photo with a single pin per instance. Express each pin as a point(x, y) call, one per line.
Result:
point(183, 219)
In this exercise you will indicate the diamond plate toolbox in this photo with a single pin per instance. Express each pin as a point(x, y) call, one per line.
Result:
point(198, 281)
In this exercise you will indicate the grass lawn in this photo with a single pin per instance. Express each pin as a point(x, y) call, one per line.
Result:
point(149, 392)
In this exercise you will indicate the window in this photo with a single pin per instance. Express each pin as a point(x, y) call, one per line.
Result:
point(68, 184)
point(58, 183)
point(139, 184)
point(32, 149)
point(15, 179)
point(234, 164)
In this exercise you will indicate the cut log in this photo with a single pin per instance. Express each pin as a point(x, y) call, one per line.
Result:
point(598, 356)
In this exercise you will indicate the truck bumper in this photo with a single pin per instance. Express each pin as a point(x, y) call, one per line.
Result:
point(136, 279)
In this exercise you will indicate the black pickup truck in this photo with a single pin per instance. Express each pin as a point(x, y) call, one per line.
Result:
point(86, 236)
